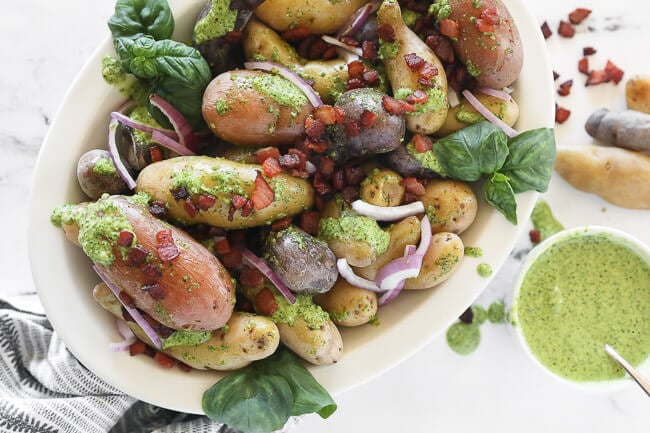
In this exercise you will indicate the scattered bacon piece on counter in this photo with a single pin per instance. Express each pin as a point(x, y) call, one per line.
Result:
point(613, 72)
point(596, 77)
point(583, 65)
point(546, 30)
point(535, 236)
point(561, 114)
point(555, 75)
point(588, 51)
point(566, 30)
point(565, 88)
point(579, 15)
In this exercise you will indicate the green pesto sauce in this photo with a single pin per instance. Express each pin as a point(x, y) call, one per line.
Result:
point(480, 314)
point(281, 90)
point(222, 181)
point(218, 21)
point(469, 117)
point(127, 84)
point(427, 159)
point(496, 312)
point(186, 338)
point(473, 251)
point(484, 270)
point(104, 167)
point(441, 9)
point(472, 69)
point(586, 291)
point(436, 99)
point(141, 199)
point(409, 17)
point(140, 114)
point(304, 308)
point(388, 50)
point(100, 224)
point(463, 338)
point(544, 221)
point(353, 227)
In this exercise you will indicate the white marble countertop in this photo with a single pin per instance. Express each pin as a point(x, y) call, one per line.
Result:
point(496, 388)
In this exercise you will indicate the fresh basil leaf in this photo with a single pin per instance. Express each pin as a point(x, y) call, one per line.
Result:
point(531, 159)
point(150, 17)
point(249, 401)
point(309, 395)
point(472, 151)
point(499, 194)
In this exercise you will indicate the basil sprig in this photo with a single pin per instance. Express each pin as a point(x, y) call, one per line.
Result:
point(135, 17)
point(509, 166)
point(261, 397)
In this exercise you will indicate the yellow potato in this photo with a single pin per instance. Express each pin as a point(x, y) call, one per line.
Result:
point(464, 114)
point(382, 187)
point(244, 339)
point(320, 346)
point(450, 205)
point(222, 178)
point(441, 259)
point(348, 305)
point(321, 16)
point(620, 176)
point(637, 93)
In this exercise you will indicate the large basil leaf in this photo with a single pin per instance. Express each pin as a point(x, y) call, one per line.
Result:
point(478, 149)
point(150, 17)
point(529, 165)
point(499, 194)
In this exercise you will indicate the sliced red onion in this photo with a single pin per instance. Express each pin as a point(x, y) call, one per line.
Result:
point(126, 120)
point(120, 346)
point(425, 236)
point(181, 126)
point(171, 144)
point(392, 213)
point(348, 275)
point(482, 109)
point(122, 171)
point(452, 97)
point(410, 249)
point(287, 73)
point(252, 260)
point(398, 270)
point(123, 328)
point(496, 93)
point(391, 294)
point(336, 42)
point(310, 167)
point(135, 314)
point(357, 19)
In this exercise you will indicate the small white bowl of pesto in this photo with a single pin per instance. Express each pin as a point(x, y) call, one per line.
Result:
point(578, 290)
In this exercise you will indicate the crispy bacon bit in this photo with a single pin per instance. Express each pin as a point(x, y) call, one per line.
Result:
point(267, 152)
point(561, 114)
point(566, 30)
point(233, 36)
point(125, 238)
point(136, 256)
point(247, 209)
point(137, 348)
point(206, 201)
point(546, 30)
point(164, 360)
point(588, 51)
point(156, 291)
point(233, 259)
point(392, 105)
point(483, 26)
point(152, 273)
point(340, 114)
point(126, 299)
point(183, 367)
point(371, 77)
point(326, 114)
point(369, 50)
point(597, 77)
point(428, 70)
point(413, 61)
point(355, 83)
point(314, 128)
point(583, 65)
point(386, 32)
point(271, 167)
point(535, 236)
point(351, 128)
point(167, 249)
point(330, 53)
point(281, 224)
point(422, 143)
point(565, 88)
point(326, 167)
point(579, 15)
point(251, 277)
point(309, 222)
point(222, 247)
point(265, 302)
point(355, 69)
point(295, 34)
point(155, 153)
point(367, 119)
point(320, 184)
point(318, 146)
point(491, 15)
point(216, 231)
point(353, 175)
point(613, 72)
point(338, 182)
point(442, 47)
point(413, 186)
point(190, 208)
point(555, 75)
point(408, 108)
point(449, 28)
point(289, 161)
point(238, 201)
point(302, 156)
point(417, 97)
point(158, 208)
point(350, 194)
point(179, 193)
point(263, 194)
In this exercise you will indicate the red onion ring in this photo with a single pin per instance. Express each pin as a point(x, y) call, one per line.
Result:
point(396, 271)
point(252, 260)
point(135, 314)
point(392, 213)
point(348, 275)
point(123, 328)
point(357, 19)
point(350, 48)
point(287, 73)
point(171, 144)
point(425, 236)
point(126, 120)
point(496, 93)
point(120, 346)
point(183, 129)
point(121, 169)
point(482, 109)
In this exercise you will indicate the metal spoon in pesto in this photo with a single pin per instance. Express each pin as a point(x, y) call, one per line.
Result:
point(642, 381)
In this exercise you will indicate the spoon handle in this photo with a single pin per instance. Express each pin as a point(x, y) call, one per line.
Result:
point(642, 381)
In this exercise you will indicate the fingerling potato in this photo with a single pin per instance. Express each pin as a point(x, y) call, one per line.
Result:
point(441, 259)
point(320, 345)
point(637, 93)
point(450, 205)
point(464, 114)
point(348, 305)
point(320, 16)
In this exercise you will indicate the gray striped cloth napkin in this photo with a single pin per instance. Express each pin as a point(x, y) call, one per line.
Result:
point(44, 389)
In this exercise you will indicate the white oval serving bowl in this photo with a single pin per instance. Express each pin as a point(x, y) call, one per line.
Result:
point(64, 278)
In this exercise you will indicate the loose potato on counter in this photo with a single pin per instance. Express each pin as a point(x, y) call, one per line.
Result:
point(637, 93)
point(255, 108)
point(620, 176)
point(628, 128)
point(203, 176)
point(442, 258)
point(320, 16)
point(348, 305)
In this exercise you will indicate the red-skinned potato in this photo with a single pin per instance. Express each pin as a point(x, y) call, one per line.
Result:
point(190, 290)
point(488, 41)
point(255, 108)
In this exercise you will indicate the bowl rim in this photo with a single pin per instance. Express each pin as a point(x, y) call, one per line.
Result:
point(620, 236)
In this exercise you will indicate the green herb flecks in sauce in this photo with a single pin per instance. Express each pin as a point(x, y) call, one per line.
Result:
point(140, 115)
point(463, 338)
point(484, 270)
point(127, 84)
point(426, 159)
point(473, 252)
point(544, 221)
point(104, 167)
point(353, 227)
point(186, 338)
point(219, 20)
point(303, 308)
